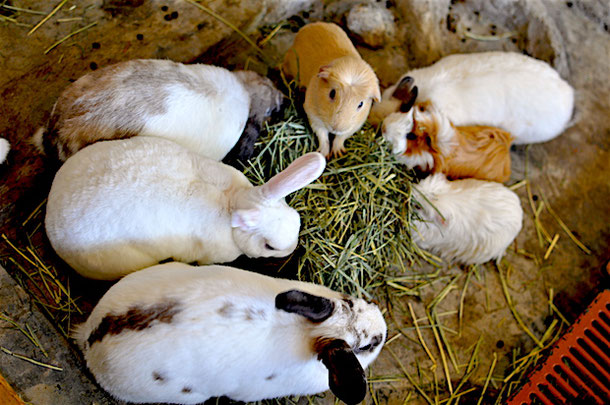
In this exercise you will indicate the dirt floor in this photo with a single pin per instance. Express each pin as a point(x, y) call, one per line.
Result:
point(566, 187)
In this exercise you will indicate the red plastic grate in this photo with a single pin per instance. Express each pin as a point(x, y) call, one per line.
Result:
point(578, 368)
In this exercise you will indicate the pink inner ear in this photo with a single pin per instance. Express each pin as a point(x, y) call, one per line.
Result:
point(324, 73)
point(297, 175)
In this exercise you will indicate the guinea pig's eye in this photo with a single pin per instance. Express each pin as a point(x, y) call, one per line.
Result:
point(332, 94)
point(360, 105)
point(411, 136)
point(422, 108)
point(269, 247)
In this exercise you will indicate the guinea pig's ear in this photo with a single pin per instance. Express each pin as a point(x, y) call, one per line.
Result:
point(324, 72)
point(376, 94)
point(245, 219)
point(406, 92)
point(346, 377)
point(312, 307)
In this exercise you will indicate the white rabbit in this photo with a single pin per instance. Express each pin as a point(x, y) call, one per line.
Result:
point(204, 108)
point(470, 221)
point(508, 90)
point(5, 147)
point(181, 334)
point(119, 206)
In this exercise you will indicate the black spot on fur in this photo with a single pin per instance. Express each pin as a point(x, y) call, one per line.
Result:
point(158, 377)
point(136, 318)
point(187, 390)
point(271, 377)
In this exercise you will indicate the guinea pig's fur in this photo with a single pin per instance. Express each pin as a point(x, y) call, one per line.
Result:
point(118, 206)
point(175, 333)
point(204, 108)
point(507, 90)
point(425, 138)
point(5, 147)
point(467, 221)
point(340, 85)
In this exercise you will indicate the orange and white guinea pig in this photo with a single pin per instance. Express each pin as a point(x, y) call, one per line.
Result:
point(340, 85)
point(425, 138)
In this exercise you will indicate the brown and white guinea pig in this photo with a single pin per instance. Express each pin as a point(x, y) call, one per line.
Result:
point(341, 86)
point(425, 138)
point(204, 108)
point(175, 333)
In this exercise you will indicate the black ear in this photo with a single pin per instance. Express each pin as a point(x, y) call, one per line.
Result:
point(312, 307)
point(346, 377)
point(406, 92)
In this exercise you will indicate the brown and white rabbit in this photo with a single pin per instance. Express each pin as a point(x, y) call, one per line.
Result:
point(118, 206)
point(341, 86)
point(467, 221)
point(202, 107)
point(424, 137)
point(175, 333)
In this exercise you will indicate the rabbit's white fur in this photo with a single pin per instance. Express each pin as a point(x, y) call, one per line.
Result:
point(508, 90)
point(202, 107)
point(5, 147)
point(119, 206)
point(195, 333)
point(479, 219)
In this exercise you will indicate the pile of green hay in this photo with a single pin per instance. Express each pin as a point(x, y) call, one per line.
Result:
point(356, 218)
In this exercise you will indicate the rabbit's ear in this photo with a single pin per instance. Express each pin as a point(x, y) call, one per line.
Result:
point(297, 175)
point(245, 219)
point(312, 307)
point(346, 377)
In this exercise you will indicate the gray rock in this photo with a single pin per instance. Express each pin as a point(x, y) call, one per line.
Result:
point(372, 23)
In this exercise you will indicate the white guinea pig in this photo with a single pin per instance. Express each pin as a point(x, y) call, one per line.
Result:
point(182, 334)
point(203, 108)
point(119, 206)
point(471, 221)
point(508, 90)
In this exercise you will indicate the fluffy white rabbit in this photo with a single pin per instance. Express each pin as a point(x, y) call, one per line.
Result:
point(119, 206)
point(508, 90)
point(468, 221)
point(202, 107)
point(182, 334)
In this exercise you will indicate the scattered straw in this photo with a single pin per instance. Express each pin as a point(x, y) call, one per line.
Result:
point(565, 227)
point(51, 14)
point(23, 10)
point(29, 360)
point(78, 31)
point(551, 246)
point(491, 370)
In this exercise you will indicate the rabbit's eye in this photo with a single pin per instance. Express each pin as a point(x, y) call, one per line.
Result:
point(332, 94)
point(360, 105)
point(269, 247)
point(411, 136)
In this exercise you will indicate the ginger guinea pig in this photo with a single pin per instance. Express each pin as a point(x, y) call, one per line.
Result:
point(340, 86)
point(424, 137)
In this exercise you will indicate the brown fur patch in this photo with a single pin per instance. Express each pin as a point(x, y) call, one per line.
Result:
point(226, 310)
point(483, 153)
point(157, 376)
point(136, 318)
point(187, 390)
